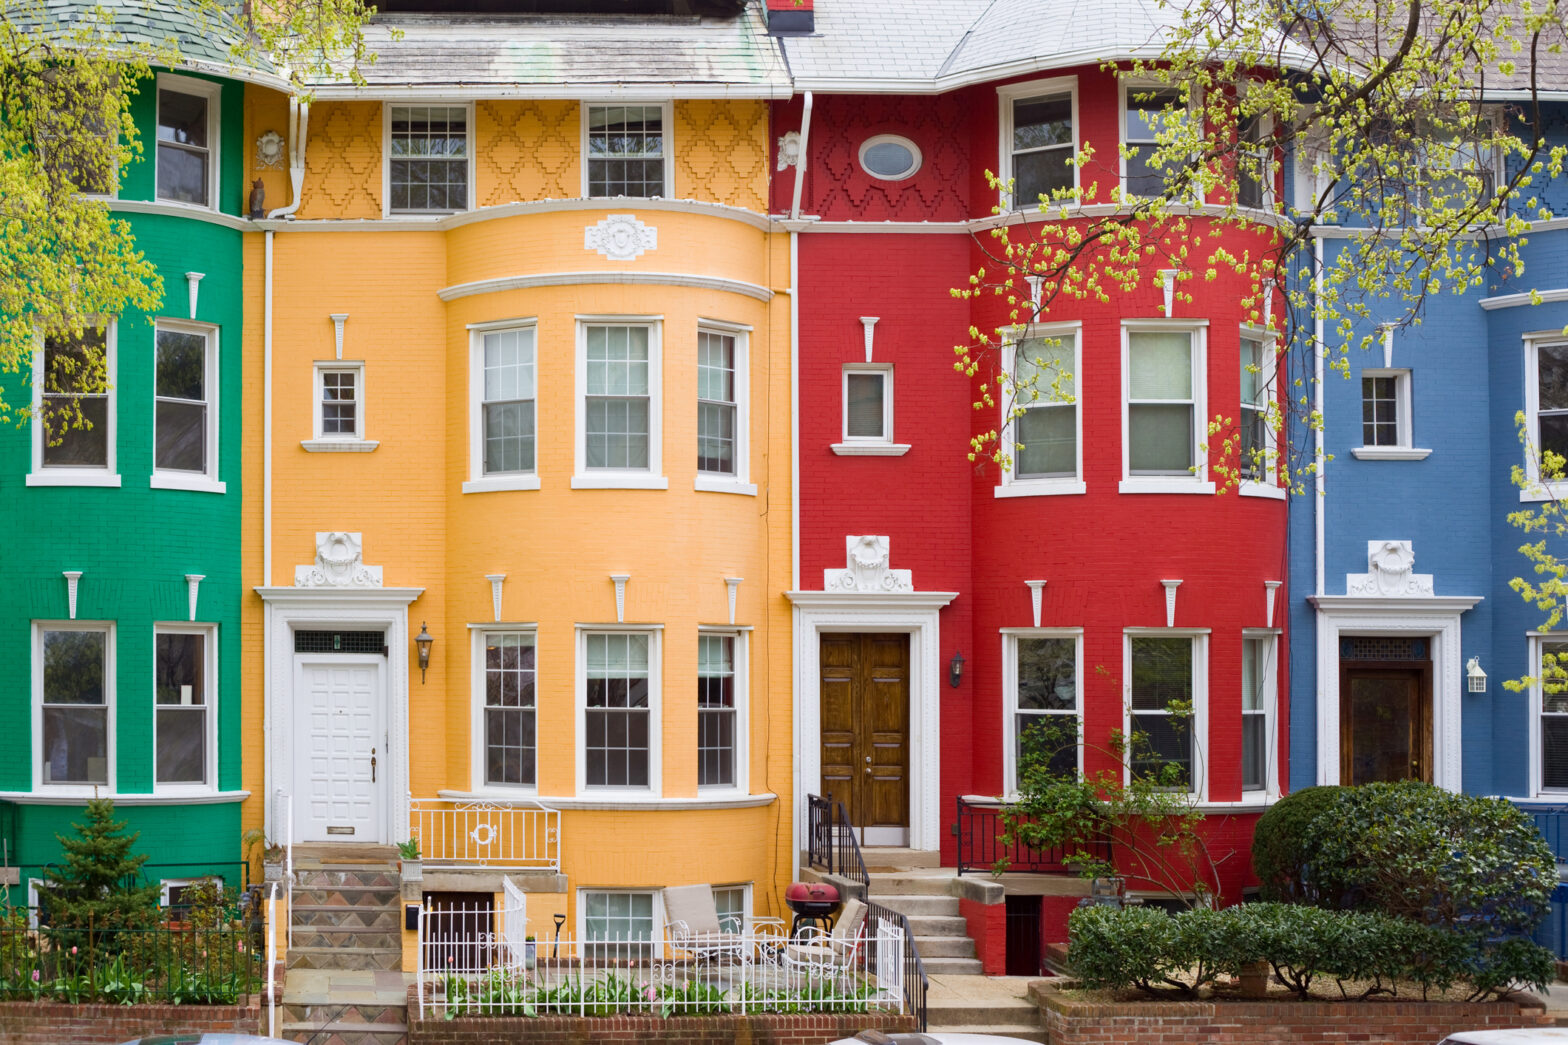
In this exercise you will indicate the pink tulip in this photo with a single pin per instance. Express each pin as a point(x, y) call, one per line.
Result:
point(73, 950)
point(35, 975)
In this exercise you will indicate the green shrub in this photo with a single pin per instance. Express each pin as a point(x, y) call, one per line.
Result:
point(1286, 840)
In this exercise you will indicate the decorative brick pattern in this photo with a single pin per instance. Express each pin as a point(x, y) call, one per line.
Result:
point(49, 1023)
point(343, 163)
point(527, 151)
point(838, 188)
point(721, 152)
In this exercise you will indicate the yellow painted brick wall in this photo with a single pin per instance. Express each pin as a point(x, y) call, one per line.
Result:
point(527, 150)
point(267, 110)
point(721, 152)
point(343, 161)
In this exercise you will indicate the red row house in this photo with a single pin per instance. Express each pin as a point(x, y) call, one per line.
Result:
point(942, 604)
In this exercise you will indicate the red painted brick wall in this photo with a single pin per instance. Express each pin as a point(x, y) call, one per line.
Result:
point(987, 924)
point(648, 1030)
point(50, 1023)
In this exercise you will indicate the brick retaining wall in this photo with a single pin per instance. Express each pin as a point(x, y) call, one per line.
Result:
point(50, 1023)
point(647, 1030)
point(1287, 1022)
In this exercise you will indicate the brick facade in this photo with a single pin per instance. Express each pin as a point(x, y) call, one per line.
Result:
point(649, 1030)
point(49, 1023)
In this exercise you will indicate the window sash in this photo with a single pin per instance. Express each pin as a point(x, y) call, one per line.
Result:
point(1163, 671)
point(1162, 406)
point(75, 722)
point(1380, 411)
point(428, 158)
point(340, 403)
point(716, 711)
point(510, 709)
point(729, 903)
point(626, 150)
point(1554, 718)
point(618, 710)
point(1139, 133)
point(67, 364)
point(717, 411)
point(181, 422)
point(865, 405)
point(184, 167)
point(618, 926)
point(1040, 150)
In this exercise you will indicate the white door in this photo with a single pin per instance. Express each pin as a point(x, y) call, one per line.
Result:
point(340, 756)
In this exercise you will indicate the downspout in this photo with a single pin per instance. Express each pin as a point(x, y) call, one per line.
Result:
point(800, 165)
point(1318, 480)
point(299, 125)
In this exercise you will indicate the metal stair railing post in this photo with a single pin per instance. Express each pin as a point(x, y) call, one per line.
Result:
point(851, 864)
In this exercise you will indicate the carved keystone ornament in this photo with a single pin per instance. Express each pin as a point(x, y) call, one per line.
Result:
point(866, 568)
point(1390, 573)
point(339, 564)
point(621, 237)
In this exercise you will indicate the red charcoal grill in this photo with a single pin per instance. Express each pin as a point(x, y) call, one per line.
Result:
point(813, 903)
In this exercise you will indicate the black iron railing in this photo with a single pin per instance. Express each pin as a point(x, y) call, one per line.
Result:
point(831, 844)
point(914, 973)
point(981, 846)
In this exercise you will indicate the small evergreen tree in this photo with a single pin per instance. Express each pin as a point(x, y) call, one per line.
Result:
point(97, 885)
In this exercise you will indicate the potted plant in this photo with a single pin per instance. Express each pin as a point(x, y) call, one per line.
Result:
point(271, 854)
point(413, 870)
point(530, 953)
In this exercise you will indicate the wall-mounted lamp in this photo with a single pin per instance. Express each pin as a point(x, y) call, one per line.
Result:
point(424, 640)
point(955, 669)
point(1476, 676)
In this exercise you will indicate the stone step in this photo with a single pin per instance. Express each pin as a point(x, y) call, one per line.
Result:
point(932, 925)
point(951, 966)
point(345, 938)
point(932, 882)
point(941, 947)
point(919, 905)
point(987, 1010)
point(347, 896)
point(1024, 1031)
point(350, 958)
point(387, 919)
point(345, 1033)
point(897, 858)
point(362, 877)
point(358, 1013)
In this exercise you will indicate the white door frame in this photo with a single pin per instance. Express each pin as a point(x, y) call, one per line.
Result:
point(340, 609)
point(916, 614)
point(378, 735)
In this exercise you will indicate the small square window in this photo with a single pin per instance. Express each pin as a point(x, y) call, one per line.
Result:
point(340, 404)
point(868, 405)
point(1385, 409)
point(730, 903)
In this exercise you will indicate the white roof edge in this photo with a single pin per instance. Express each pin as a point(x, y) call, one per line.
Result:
point(573, 92)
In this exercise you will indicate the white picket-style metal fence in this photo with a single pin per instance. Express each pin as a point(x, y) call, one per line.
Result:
point(516, 835)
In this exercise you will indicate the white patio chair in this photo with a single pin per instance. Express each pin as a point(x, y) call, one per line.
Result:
point(829, 955)
point(692, 926)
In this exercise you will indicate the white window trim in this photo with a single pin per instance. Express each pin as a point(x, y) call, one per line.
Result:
point(1536, 490)
point(1010, 637)
point(1010, 486)
point(478, 481)
point(862, 445)
point(667, 125)
point(210, 683)
point(656, 937)
point(652, 477)
point(1005, 97)
point(35, 889)
point(476, 763)
point(201, 482)
point(166, 884)
point(386, 157)
point(109, 474)
point(1200, 699)
point(1405, 449)
point(1139, 85)
point(1269, 677)
point(740, 482)
point(1268, 373)
point(214, 94)
point(655, 633)
point(1270, 168)
point(341, 440)
point(890, 139)
point(747, 918)
point(1537, 702)
point(742, 676)
point(1198, 482)
point(1492, 115)
point(111, 666)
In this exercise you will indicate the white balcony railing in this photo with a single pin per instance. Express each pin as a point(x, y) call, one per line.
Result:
point(517, 835)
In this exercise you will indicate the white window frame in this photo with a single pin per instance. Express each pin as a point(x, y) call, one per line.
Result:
point(655, 633)
point(1267, 375)
point(386, 157)
point(1269, 168)
point(200, 482)
point(1268, 675)
point(214, 94)
point(742, 676)
point(56, 475)
point(338, 442)
point(864, 445)
point(1011, 485)
point(1405, 449)
point(656, 936)
point(1200, 699)
point(890, 139)
point(1198, 481)
point(667, 124)
point(209, 633)
point(36, 696)
point(1493, 164)
point(478, 481)
point(745, 908)
point(36, 887)
point(1006, 96)
point(1537, 489)
point(1010, 637)
point(477, 754)
point(1538, 640)
point(740, 482)
point(112, 138)
point(1137, 85)
point(652, 477)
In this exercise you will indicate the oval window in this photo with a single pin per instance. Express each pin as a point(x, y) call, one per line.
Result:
point(889, 157)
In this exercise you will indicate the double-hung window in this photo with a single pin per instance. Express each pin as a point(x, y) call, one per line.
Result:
point(78, 131)
point(339, 408)
point(1258, 700)
point(732, 906)
point(1162, 433)
point(183, 695)
point(1459, 165)
point(1041, 425)
point(1044, 690)
point(627, 149)
point(721, 686)
point(1165, 683)
point(507, 413)
point(619, 683)
point(1038, 121)
point(617, 926)
point(74, 410)
point(867, 404)
point(1551, 704)
point(187, 145)
point(428, 158)
point(73, 683)
point(619, 409)
point(185, 413)
point(1149, 112)
point(716, 409)
point(1256, 450)
point(1546, 409)
point(509, 739)
point(1254, 164)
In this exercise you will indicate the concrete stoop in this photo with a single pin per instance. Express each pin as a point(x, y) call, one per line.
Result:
point(984, 1005)
point(345, 1007)
point(923, 894)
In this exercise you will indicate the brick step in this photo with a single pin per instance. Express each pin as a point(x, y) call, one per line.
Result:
point(929, 947)
point(312, 916)
point(917, 905)
point(951, 966)
point(933, 925)
point(345, 1033)
point(345, 958)
point(344, 937)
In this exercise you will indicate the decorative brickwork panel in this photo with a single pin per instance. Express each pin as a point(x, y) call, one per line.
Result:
point(839, 189)
point(721, 152)
point(527, 151)
point(49, 1023)
point(343, 161)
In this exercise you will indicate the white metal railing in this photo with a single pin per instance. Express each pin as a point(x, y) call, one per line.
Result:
point(470, 963)
point(519, 834)
point(283, 834)
point(272, 959)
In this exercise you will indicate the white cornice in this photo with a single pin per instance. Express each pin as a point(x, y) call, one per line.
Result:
point(1516, 300)
point(852, 600)
point(326, 595)
point(176, 210)
point(574, 279)
point(1404, 605)
point(442, 223)
point(653, 92)
point(196, 798)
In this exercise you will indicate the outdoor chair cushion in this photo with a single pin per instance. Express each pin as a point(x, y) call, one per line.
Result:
point(849, 919)
point(692, 904)
point(812, 954)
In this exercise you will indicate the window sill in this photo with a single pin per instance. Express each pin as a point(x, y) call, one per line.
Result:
point(339, 446)
point(1390, 453)
point(1041, 488)
point(870, 449)
point(1539, 491)
point(1273, 493)
point(494, 483)
point(64, 795)
point(200, 208)
point(192, 483)
point(611, 799)
point(620, 481)
point(72, 477)
point(1158, 484)
point(714, 484)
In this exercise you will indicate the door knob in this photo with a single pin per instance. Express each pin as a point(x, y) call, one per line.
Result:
point(372, 765)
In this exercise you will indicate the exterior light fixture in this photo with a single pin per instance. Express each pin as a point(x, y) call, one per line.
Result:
point(424, 641)
point(955, 669)
point(1476, 676)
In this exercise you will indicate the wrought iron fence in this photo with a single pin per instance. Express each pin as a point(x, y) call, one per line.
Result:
point(831, 844)
point(912, 979)
point(983, 847)
point(518, 835)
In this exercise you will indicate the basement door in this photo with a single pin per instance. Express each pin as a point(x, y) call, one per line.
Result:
point(340, 751)
point(865, 732)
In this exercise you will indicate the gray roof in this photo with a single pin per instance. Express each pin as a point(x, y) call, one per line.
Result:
point(573, 56)
point(205, 42)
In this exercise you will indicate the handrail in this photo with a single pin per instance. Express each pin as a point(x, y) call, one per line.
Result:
point(981, 847)
point(916, 983)
point(831, 843)
point(272, 959)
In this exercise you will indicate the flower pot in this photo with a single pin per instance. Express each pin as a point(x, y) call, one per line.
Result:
point(413, 870)
point(530, 954)
point(272, 871)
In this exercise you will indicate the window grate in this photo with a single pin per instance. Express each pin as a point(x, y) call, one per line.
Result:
point(1371, 647)
point(340, 642)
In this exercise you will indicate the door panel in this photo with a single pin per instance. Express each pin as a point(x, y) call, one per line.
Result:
point(865, 727)
point(339, 757)
point(1385, 723)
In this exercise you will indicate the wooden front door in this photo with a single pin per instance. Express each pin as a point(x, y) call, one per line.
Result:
point(865, 732)
point(1385, 722)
